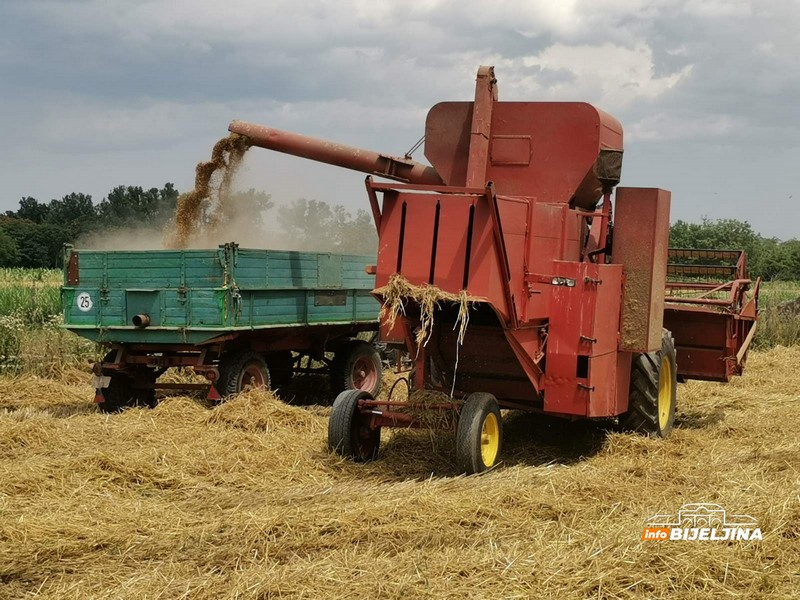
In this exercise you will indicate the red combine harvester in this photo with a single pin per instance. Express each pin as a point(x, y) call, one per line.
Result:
point(572, 311)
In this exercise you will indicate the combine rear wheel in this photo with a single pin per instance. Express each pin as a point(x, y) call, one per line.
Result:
point(480, 434)
point(349, 433)
point(242, 371)
point(357, 366)
point(653, 391)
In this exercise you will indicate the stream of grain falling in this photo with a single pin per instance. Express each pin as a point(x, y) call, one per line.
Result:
point(212, 182)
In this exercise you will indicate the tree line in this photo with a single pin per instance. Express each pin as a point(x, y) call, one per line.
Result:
point(34, 234)
point(769, 258)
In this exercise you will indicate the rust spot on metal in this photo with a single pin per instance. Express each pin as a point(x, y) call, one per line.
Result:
point(72, 269)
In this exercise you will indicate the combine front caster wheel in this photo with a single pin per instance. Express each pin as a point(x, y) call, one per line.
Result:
point(480, 434)
point(349, 433)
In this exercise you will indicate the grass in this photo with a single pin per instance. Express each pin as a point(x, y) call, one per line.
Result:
point(774, 327)
point(32, 295)
point(31, 339)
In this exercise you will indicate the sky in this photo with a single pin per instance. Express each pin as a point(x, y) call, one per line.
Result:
point(100, 93)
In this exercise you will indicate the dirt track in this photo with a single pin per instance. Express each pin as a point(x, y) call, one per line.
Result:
point(244, 501)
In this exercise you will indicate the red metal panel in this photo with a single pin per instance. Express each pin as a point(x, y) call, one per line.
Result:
point(641, 240)
point(514, 220)
point(418, 237)
point(607, 282)
point(451, 247)
point(565, 141)
point(582, 342)
point(511, 150)
point(602, 385)
point(604, 313)
point(569, 304)
point(527, 346)
point(389, 238)
point(485, 280)
point(624, 360)
point(702, 342)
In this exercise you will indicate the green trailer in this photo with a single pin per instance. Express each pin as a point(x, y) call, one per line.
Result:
point(239, 317)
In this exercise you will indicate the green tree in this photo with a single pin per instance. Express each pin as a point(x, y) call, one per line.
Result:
point(74, 212)
point(9, 253)
point(38, 245)
point(245, 208)
point(32, 210)
point(719, 234)
point(317, 226)
point(129, 206)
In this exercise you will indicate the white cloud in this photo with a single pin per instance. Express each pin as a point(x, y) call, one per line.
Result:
point(663, 127)
point(611, 76)
point(718, 8)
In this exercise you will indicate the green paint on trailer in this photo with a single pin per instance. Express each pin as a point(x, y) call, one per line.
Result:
point(193, 296)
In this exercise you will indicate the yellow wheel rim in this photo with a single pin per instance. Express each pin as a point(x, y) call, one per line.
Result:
point(490, 439)
point(664, 393)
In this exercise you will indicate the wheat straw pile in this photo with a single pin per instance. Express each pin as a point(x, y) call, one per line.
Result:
point(243, 501)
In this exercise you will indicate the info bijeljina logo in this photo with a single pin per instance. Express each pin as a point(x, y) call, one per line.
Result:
point(701, 522)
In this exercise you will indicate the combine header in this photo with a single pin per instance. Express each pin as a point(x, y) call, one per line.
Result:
point(570, 311)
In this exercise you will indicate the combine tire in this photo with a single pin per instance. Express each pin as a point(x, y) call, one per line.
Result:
point(480, 434)
point(654, 382)
point(242, 371)
point(357, 366)
point(349, 434)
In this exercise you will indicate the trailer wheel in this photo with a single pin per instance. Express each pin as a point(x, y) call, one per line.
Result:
point(121, 392)
point(653, 391)
point(357, 366)
point(479, 437)
point(242, 371)
point(349, 433)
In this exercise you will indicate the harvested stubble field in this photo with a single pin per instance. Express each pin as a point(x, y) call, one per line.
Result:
point(244, 501)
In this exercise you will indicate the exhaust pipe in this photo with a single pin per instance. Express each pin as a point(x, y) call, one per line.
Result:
point(141, 321)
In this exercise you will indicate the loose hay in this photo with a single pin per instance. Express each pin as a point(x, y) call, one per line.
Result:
point(244, 501)
point(398, 292)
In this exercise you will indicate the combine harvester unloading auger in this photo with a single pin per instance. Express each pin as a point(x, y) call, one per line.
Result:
point(572, 311)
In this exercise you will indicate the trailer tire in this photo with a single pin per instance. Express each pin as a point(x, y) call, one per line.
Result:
point(479, 437)
point(121, 392)
point(653, 391)
point(349, 434)
point(357, 366)
point(243, 370)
